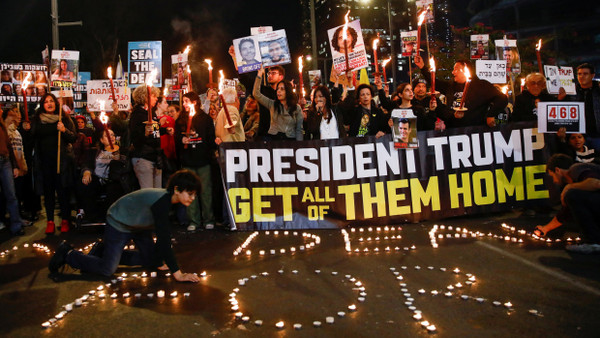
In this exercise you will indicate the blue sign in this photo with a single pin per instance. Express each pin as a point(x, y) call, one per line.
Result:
point(143, 57)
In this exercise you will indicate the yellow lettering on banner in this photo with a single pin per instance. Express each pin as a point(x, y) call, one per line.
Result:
point(369, 200)
point(394, 197)
point(429, 196)
point(513, 187)
point(455, 190)
point(258, 204)
point(286, 194)
point(349, 191)
point(244, 207)
point(488, 179)
point(532, 182)
point(307, 196)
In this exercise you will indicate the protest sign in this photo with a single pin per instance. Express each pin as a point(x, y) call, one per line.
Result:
point(557, 77)
point(507, 50)
point(260, 30)
point(179, 71)
point(172, 94)
point(99, 90)
point(357, 56)
point(493, 71)
point(80, 91)
point(555, 115)
point(64, 67)
point(356, 181)
point(143, 57)
point(246, 56)
point(480, 47)
point(409, 43)
point(314, 78)
point(404, 129)
point(12, 78)
point(274, 49)
point(426, 5)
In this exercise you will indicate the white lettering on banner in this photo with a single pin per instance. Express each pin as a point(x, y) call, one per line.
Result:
point(367, 160)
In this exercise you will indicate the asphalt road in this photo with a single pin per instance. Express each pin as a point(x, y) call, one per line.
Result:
point(485, 286)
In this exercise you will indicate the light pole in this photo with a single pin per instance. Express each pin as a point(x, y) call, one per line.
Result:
point(56, 24)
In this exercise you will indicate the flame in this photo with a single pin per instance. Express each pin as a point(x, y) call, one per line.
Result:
point(189, 70)
point(103, 117)
point(187, 49)
point(522, 82)
point(375, 43)
point(385, 62)
point(432, 64)
point(300, 64)
point(165, 91)
point(109, 72)
point(26, 81)
point(345, 30)
point(221, 80)
point(504, 90)
point(538, 46)
point(467, 73)
point(422, 16)
point(192, 109)
point(151, 77)
point(209, 61)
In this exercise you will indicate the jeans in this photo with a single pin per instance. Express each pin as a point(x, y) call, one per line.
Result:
point(7, 184)
point(201, 211)
point(146, 172)
point(584, 208)
point(114, 254)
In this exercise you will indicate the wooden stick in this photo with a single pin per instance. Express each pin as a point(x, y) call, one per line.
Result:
point(59, 120)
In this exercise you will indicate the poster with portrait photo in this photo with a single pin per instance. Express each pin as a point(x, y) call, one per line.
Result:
point(404, 129)
point(179, 71)
point(355, 45)
point(11, 79)
point(480, 47)
point(314, 78)
point(247, 56)
point(409, 43)
point(507, 50)
point(64, 66)
point(274, 48)
point(425, 5)
point(66, 100)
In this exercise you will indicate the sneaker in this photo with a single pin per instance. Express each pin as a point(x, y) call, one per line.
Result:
point(50, 227)
point(584, 248)
point(60, 257)
point(64, 225)
point(209, 226)
point(191, 227)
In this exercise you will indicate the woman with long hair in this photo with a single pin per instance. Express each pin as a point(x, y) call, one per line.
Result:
point(323, 120)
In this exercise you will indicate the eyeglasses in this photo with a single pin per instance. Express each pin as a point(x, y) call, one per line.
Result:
point(537, 83)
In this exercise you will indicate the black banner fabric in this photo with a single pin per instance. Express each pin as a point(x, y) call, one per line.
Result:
point(360, 181)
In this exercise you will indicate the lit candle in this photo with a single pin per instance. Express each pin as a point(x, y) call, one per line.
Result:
point(538, 48)
point(300, 80)
point(24, 86)
point(280, 324)
point(383, 64)
point(112, 85)
point(464, 96)
point(421, 19)
point(189, 78)
point(345, 39)
point(160, 293)
point(210, 68)
point(375, 43)
point(432, 71)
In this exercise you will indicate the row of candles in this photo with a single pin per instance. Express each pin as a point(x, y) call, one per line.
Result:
point(243, 248)
point(239, 315)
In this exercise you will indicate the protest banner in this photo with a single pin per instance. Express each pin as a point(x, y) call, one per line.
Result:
point(409, 43)
point(274, 48)
point(555, 115)
point(314, 78)
point(507, 50)
point(12, 76)
point(357, 56)
point(404, 129)
point(493, 71)
point(99, 90)
point(358, 181)
point(142, 59)
point(426, 5)
point(246, 56)
point(179, 71)
point(557, 77)
point(80, 91)
point(480, 47)
point(64, 67)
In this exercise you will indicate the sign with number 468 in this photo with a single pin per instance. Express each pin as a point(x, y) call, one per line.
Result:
point(555, 115)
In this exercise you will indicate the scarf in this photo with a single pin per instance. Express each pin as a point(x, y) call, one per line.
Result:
point(48, 118)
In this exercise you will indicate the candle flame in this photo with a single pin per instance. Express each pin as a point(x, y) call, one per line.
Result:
point(151, 77)
point(109, 72)
point(504, 90)
point(165, 91)
point(422, 17)
point(385, 62)
point(187, 49)
point(432, 64)
point(103, 117)
point(522, 82)
point(300, 65)
point(221, 80)
point(345, 30)
point(26, 81)
point(209, 61)
point(189, 70)
point(192, 109)
point(467, 73)
point(375, 43)
point(538, 46)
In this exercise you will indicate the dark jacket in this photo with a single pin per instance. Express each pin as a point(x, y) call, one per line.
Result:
point(312, 125)
point(525, 106)
point(146, 147)
point(592, 108)
point(202, 132)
